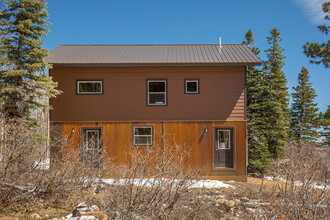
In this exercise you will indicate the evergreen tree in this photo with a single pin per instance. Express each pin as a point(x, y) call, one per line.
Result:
point(259, 156)
point(320, 53)
point(23, 81)
point(325, 123)
point(305, 119)
point(276, 112)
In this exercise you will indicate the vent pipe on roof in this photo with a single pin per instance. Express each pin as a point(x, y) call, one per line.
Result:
point(220, 42)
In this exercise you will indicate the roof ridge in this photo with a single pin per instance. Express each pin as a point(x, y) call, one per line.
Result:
point(139, 44)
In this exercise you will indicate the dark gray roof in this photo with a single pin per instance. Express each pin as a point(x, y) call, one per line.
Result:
point(165, 54)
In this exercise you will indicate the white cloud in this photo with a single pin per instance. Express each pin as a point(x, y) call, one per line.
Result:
point(313, 9)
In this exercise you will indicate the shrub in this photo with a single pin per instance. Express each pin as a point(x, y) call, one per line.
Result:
point(150, 185)
point(305, 193)
point(24, 186)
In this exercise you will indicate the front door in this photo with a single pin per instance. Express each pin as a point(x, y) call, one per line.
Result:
point(92, 151)
point(224, 148)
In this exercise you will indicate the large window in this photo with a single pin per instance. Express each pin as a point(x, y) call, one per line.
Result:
point(191, 86)
point(92, 139)
point(156, 92)
point(93, 87)
point(224, 139)
point(142, 136)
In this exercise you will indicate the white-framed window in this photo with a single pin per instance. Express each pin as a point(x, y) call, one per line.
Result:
point(142, 136)
point(92, 87)
point(156, 92)
point(191, 86)
point(224, 141)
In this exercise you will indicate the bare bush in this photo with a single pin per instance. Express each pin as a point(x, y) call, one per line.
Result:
point(23, 186)
point(305, 193)
point(150, 185)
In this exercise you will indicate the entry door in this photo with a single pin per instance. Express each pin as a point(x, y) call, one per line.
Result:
point(224, 148)
point(92, 151)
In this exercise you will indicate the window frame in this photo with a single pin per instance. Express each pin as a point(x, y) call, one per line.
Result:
point(86, 81)
point(147, 92)
point(232, 149)
point(151, 135)
point(191, 80)
point(83, 148)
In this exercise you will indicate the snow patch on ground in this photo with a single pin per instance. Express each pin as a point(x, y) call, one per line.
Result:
point(149, 182)
point(210, 184)
point(298, 183)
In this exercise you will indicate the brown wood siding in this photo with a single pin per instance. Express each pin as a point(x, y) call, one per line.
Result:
point(117, 142)
point(221, 95)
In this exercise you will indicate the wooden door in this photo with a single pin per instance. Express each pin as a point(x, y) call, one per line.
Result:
point(224, 148)
point(92, 150)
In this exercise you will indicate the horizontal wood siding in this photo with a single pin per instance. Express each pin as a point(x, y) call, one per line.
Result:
point(117, 142)
point(221, 94)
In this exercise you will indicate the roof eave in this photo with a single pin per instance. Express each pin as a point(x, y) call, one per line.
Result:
point(150, 64)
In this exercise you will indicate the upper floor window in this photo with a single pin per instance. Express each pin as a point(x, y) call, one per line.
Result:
point(191, 86)
point(92, 87)
point(156, 92)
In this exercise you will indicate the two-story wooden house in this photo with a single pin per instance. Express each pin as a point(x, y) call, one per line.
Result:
point(133, 95)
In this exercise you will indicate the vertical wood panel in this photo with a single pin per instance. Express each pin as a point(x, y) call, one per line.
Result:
point(117, 142)
point(172, 133)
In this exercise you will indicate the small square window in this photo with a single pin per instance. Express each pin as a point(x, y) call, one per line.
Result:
point(93, 87)
point(191, 86)
point(142, 136)
point(156, 92)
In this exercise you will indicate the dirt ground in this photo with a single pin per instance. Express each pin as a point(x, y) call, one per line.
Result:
point(238, 202)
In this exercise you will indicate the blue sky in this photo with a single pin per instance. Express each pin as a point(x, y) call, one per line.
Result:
point(195, 22)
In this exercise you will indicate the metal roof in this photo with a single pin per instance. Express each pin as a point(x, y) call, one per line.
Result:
point(165, 54)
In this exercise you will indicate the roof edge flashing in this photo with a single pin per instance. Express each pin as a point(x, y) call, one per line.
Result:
point(149, 64)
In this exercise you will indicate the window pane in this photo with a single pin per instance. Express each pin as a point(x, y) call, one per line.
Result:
point(92, 138)
point(192, 86)
point(156, 86)
point(90, 87)
point(142, 131)
point(156, 98)
point(224, 139)
point(143, 140)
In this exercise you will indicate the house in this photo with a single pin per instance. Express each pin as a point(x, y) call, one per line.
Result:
point(133, 95)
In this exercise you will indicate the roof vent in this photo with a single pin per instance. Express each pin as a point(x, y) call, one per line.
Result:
point(220, 42)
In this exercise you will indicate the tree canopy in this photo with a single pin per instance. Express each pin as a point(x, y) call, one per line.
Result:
point(24, 83)
point(325, 123)
point(276, 112)
point(304, 113)
point(319, 53)
point(259, 156)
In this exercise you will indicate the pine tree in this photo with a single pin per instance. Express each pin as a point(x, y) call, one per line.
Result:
point(325, 123)
point(259, 156)
point(23, 81)
point(305, 119)
point(320, 53)
point(276, 112)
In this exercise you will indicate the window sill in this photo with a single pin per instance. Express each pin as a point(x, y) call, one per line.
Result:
point(224, 168)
